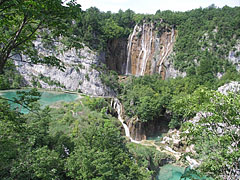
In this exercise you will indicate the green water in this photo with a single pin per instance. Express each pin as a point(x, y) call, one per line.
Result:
point(170, 172)
point(155, 138)
point(47, 98)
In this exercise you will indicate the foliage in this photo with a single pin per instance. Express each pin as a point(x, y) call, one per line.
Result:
point(96, 28)
point(108, 77)
point(100, 153)
point(46, 144)
point(11, 79)
point(215, 132)
point(21, 22)
point(149, 157)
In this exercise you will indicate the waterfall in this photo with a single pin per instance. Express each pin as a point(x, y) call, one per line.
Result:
point(129, 48)
point(116, 104)
point(168, 50)
point(146, 51)
point(146, 48)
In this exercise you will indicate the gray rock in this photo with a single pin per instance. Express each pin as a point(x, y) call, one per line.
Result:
point(78, 75)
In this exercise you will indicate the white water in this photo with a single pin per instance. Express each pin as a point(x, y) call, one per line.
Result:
point(167, 51)
point(129, 48)
point(146, 47)
point(145, 50)
point(116, 104)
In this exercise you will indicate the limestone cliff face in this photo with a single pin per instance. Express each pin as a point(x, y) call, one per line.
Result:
point(148, 49)
point(79, 74)
point(233, 57)
point(142, 130)
point(116, 56)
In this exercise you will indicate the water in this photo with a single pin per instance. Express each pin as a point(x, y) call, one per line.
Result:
point(171, 172)
point(155, 138)
point(47, 98)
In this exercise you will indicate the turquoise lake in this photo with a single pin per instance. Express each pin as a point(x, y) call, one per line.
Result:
point(47, 98)
point(172, 172)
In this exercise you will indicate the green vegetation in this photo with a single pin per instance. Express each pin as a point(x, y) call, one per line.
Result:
point(11, 79)
point(49, 81)
point(80, 140)
point(216, 133)
point(108, 77)
point(69, 142)
point(22, 21)
point(205, 37)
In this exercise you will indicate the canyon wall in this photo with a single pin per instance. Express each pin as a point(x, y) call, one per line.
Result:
point(146, 51)
point(79, 74)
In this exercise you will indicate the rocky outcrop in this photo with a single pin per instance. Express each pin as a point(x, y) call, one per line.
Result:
point(233, 86)
point(234, 55)
point(141, 130)
point(79, 74)
point(116, 56)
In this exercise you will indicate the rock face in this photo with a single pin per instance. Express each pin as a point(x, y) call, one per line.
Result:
point(141, 130)
point(79, 74)
point(146, 51)
point(233, 86)
point(116, 56)
point(234, 57)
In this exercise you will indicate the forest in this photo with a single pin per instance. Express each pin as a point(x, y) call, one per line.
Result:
point(83, 139)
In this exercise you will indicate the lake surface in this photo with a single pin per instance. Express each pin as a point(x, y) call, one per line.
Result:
point(170, 172)
point(47, 98)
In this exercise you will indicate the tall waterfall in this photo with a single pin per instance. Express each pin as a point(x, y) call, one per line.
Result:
point(148, 47)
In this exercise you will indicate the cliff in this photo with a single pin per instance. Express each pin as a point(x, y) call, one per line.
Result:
point(79, 74)
point(148, 48)
point(146, 51)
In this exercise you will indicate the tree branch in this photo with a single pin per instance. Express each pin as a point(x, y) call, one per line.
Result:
point(29, 36)
point(22, 104)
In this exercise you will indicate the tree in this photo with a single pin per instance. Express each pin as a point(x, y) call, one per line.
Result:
point(214, 131)
point(101, 154)
point(21, 22)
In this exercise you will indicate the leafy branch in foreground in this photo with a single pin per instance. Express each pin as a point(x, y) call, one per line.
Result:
point(21, 22)
point(26, 99)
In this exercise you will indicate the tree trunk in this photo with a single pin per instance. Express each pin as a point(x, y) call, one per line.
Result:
point(3, 60)
point(1, 67)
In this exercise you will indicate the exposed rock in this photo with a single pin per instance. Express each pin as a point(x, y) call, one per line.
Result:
point(141, 130)
point(146, 51)
point(78, 75)
point(192, 162)
point(137, 129)
point(116, 56)
point(170, 72)
point(148, 48)
point(233, 57)
point(233, 86)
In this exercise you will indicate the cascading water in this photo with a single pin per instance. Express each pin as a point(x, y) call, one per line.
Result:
point(168, 50)
point(129, 48)
point(116, 104)
point(148, 49)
